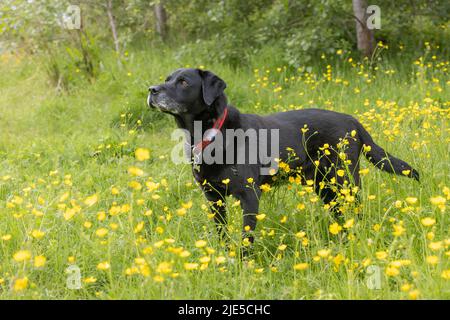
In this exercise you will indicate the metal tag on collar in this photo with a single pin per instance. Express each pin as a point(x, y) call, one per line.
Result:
point(196, 152)
point(210, 134)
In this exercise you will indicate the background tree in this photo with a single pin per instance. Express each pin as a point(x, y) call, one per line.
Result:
point(160, 19)
point(364, 36)
point(112, 23)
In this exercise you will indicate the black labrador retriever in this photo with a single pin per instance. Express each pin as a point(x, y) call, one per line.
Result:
point(313, 145)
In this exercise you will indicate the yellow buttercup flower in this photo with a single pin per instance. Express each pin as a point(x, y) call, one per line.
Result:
point(439, 202)
point(301, 266)
point(392, 271)
point(142, 154)
point(22, 255)
point(101, 232)
point(324, 253)
point(300, 234)
point(220, 259)
point(349, 223)
point(428, 222)
point(138, 228)
point(335, 228)
point(446, 274)
point(200, 243)
point(91, 200)
point(433, 260)
point(398, 204)
point(101, 215)
point(135, 171)
point(434, 246)
point(103, 266)
point(406, 287)
point(364, 171)
point(367, 148)
point(398, 230)
point(191, 266)
point(87, 224)
point(69, 213)
point(115, 191)
point(6, 237)
point(338, 259)
point(89, 280)
point(381, 255)
point(414, 294)
point(37, 234)
point(164, 267)
point(411, 200)
point(39, 261)
point(181, 212)
point(185, 254)
point(20, 284)
point(136, 186)
point(205, 259)
point(187, 205)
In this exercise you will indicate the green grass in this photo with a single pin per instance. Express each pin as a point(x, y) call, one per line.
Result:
point(82, 142)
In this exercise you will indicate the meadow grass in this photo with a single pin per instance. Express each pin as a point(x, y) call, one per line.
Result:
point(67, 196)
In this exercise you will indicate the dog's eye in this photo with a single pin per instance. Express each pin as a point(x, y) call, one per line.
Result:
point(184, 83)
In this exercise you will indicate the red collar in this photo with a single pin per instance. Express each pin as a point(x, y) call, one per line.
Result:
point(217, 126)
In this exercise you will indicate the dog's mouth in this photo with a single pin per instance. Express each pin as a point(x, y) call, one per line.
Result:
point(149, 102)
point(154, 105)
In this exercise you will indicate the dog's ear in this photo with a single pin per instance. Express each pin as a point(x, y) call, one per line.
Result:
point(212, 86)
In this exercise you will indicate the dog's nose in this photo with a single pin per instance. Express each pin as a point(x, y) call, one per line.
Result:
point(154, 89)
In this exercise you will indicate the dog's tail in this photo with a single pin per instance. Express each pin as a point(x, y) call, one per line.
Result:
point(383, 160)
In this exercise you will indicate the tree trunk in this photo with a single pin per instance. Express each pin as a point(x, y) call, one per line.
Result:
point(161, 20)
point(364, 36)
point(112, 23)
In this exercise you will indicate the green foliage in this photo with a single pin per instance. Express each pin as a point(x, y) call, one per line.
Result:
point(137, 117)
point(31, 25)
point(229, 31)
point(78, 60)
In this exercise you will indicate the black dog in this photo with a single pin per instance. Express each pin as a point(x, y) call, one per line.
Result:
point(308, 142)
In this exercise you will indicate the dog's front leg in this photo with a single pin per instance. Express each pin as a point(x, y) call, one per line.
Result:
point(250, 205)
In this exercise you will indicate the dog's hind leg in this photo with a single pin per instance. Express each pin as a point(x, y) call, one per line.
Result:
point(250, 206)
point(218, 208)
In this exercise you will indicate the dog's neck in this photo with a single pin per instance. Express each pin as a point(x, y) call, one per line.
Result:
point(209, 117)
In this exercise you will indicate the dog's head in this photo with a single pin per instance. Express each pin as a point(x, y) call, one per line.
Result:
point(186, 91)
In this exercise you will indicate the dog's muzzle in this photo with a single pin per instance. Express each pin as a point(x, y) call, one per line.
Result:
point(159, 99)
point(152, 92)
